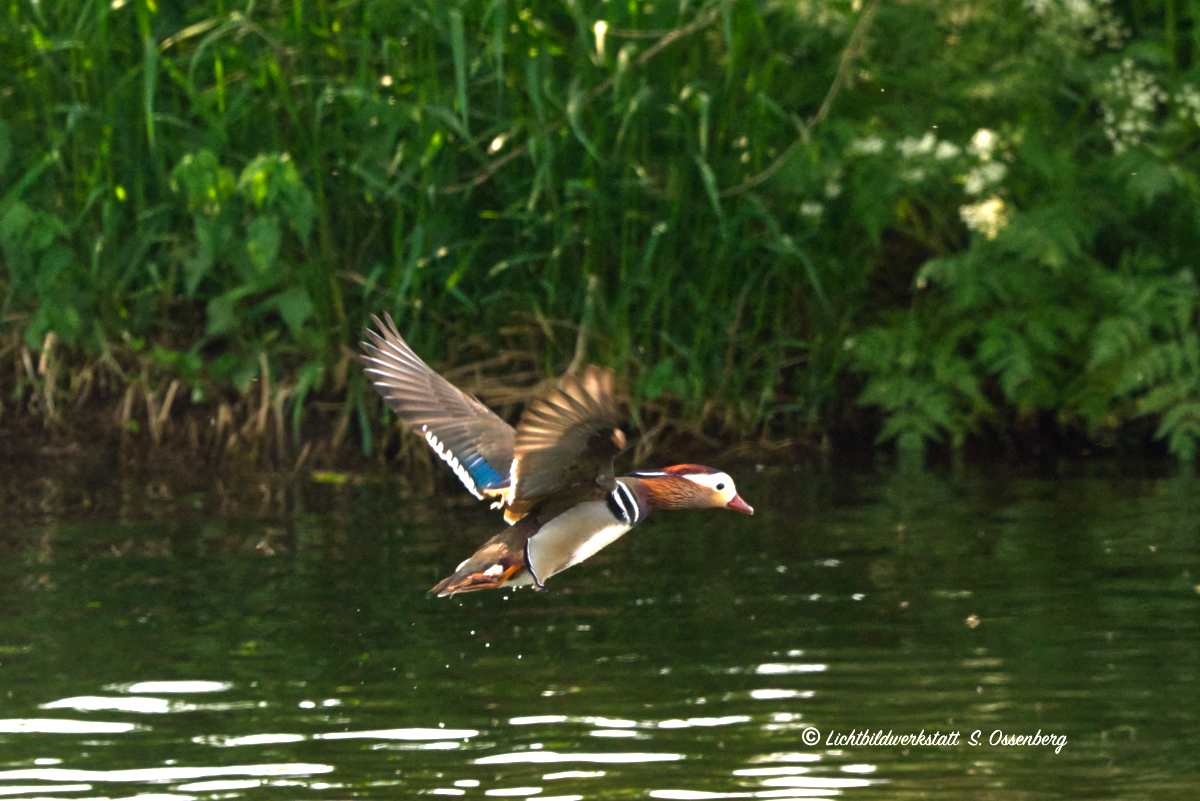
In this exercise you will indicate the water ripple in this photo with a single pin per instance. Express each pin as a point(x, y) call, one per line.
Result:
point(554, 756)
point(58, 726)
point(163, 774)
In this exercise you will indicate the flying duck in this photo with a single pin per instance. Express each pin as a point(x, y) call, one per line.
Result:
point(552, 474)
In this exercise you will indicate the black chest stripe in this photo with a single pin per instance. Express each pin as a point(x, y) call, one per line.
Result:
point(537, 582)
point(623, 505)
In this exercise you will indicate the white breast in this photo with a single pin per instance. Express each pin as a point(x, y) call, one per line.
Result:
point(572, 537)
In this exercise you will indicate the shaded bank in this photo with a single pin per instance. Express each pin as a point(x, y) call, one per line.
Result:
point(924, 222)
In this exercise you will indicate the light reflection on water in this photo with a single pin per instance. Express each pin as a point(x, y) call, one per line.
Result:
point(228, 781)
point(17, 789)
point(165, 774)
point(171, 687)
point(691, 661)
point(63, 726)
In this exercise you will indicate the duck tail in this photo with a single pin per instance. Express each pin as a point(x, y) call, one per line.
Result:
point(467, 580)
point(500, 561)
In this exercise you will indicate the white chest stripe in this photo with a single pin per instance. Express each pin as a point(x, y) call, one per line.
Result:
point(623, 504)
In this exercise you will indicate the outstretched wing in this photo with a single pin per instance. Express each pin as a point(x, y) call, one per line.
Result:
point(567, 438)
point(476, 443)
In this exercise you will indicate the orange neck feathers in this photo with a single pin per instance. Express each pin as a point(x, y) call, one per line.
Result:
point(674, 492)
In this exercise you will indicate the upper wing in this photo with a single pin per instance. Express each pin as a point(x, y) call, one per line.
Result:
point(476, 443)
point(568, 438)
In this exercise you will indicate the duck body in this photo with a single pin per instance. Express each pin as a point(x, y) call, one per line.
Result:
point(547, 541)
point(552, 474)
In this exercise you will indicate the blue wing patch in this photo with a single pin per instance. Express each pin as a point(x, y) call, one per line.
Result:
point(472, 469)
point(484, 476)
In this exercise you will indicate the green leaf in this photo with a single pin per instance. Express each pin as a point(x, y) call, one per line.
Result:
point(6, 148)
point(660, 381)
point(1151, 179)
point(64, 320)
point(212, 238)
point(533, 87)
point(56, 260)
point(16, 219)
point(295, 307)
point(709, 178)
point(309, 377)
point(45, 229)
point(1181, 428)
point(222, 310)
point(29, 230)
point(364, 420)
point(458, 48)
point(236, 369)
point(149, 81)
point(262, 242)
point(1114, 338)
point(203, 181)
point(299, 209)
point(577, 97)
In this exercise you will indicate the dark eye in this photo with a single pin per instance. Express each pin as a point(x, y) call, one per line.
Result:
point(720, 487)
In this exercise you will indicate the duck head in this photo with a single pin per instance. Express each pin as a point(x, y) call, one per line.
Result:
point(691, 486)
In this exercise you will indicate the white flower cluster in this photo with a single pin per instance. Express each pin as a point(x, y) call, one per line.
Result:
point(946, 150)
point(1130, 102)
point(815, 209)
point(988, 172)
point(829, 17)
point(981, 176)
point(1092, 18)
point(911, 147)
point(811, 208)
point(1187, 99)
point(987, 217)
point(983, 144)
point(868, 146)
point(990, 215)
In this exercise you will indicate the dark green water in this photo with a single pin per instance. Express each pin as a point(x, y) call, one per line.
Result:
point(292, 653)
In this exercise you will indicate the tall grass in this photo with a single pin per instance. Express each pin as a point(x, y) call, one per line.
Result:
point(228, 192)
point(219, 194)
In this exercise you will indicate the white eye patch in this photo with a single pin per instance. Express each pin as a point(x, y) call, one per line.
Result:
point(718, 482)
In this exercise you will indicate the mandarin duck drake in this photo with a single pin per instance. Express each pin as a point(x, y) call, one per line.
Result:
point(552, 474)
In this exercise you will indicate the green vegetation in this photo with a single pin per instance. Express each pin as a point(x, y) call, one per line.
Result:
point(771, 218)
